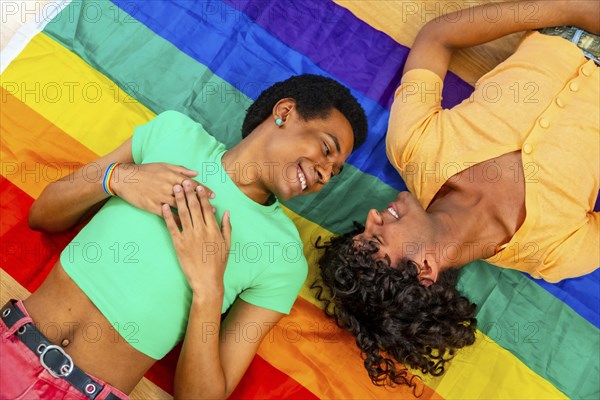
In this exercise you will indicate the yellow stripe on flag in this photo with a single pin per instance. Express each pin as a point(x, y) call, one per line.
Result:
point(79, 100)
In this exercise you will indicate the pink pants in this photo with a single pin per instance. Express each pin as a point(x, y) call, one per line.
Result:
point(22, 376)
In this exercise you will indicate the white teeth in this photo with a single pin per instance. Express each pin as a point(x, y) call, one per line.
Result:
point(393, 212)
point(302, 179)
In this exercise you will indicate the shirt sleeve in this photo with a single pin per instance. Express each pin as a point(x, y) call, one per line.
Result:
point(153, 133)
point(578, 255)
point(416, 103)
point(278, 286)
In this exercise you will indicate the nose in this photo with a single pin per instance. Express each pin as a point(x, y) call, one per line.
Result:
point(324, 173)
point(374, 219)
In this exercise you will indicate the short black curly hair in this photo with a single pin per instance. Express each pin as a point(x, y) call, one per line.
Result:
point(315, 97)
point(396, 320)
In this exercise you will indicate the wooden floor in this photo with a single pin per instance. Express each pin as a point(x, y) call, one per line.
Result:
point(399, 19)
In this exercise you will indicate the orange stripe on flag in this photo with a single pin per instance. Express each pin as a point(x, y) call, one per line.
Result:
point(34, 151)
point(325, 358)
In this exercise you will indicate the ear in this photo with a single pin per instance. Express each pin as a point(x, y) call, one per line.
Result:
point(427, 274)
point(283, 108)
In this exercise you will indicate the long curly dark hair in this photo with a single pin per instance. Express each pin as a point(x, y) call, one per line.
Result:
point(396, 320)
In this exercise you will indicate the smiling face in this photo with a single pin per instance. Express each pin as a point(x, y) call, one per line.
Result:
point(400, 231)
point(303, 155)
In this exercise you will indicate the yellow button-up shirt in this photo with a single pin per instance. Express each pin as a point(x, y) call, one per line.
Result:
point(544, 100)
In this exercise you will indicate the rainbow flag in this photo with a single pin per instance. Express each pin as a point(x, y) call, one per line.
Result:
point(80, 76)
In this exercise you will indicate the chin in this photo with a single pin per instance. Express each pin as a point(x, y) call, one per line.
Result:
point(283, 195)
point(286, 191)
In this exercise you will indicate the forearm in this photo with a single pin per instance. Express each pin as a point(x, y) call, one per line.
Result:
point(200, 372)
point(487, 22)
point(65, 202)
point(440, 37)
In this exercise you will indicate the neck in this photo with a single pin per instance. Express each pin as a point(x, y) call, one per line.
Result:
point(463, 231)
point(239, 163)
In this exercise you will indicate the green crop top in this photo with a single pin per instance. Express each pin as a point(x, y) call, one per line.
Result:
point(124, 259)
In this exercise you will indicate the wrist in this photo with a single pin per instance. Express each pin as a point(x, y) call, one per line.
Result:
point(208, 294)
point(109, 179)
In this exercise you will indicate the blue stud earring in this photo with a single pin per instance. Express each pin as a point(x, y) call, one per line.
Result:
point(278, 121)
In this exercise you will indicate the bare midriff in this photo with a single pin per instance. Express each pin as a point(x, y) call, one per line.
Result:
point(67, 317)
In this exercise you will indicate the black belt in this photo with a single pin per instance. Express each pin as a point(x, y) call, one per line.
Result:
point(586, 41)
point(52, 357)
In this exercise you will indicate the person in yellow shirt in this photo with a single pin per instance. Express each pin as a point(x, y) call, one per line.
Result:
point(510, 176)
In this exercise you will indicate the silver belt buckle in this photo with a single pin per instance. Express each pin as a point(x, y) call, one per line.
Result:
point(65, 370)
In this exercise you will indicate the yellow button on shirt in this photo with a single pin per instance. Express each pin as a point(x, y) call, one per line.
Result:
point(544, 101)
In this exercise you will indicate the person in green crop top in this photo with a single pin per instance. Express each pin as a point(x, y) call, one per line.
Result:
point(159, 264)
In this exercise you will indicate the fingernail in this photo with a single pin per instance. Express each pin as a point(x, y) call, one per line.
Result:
point(187, 183)
point(200, 188)
point(165, 207)
point(177, 188)
point(214, 210)
point(212, 195)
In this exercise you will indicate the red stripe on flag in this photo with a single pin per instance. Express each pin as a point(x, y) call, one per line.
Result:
point(27, 255)
point(264, 381)
point(261, 381)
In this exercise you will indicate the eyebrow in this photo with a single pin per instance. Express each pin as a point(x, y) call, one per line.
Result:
point(335, 140)
point(364, 244)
